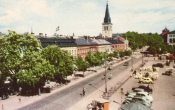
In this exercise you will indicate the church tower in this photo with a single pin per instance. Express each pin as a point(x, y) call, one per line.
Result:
point(107, 25)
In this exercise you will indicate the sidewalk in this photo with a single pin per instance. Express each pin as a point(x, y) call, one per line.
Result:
point(16, 102)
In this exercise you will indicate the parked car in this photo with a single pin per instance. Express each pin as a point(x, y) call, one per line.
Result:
point(130, 94)
point(169, 72)
point(146, 80)
point(138, 90)
point(127, 100)
point(142, 100)
point(146, 88)
point(145, 94)
point(158, 65)
point(126, 64)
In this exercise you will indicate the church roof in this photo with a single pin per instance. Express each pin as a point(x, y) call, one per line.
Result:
point(165, 29)
point(107, 19)
point(172, 32)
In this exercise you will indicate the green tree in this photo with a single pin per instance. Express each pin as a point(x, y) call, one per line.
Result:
point(35, 73)
point(127, 52)
point(92, 59)
point(81, 64)
point(61, 60)
point(20, 58)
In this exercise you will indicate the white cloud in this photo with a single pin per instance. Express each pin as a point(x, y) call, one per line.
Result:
point(85, 17)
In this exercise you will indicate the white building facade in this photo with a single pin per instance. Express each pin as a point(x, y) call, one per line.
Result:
point(171, 38)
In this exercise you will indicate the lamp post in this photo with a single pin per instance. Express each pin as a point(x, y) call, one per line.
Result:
point(159, 54)
point(142, 55)
point(105, 77)
point(132, 61)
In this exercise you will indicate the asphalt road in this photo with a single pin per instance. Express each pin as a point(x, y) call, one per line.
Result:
point(66, 98)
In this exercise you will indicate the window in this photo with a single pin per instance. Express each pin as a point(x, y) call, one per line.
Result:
point(173, 40)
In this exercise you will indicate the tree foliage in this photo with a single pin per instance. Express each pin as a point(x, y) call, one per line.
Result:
point(93, 59)
point(20, 59)
point(154, 41)
point(81, 64)
point(61, 60)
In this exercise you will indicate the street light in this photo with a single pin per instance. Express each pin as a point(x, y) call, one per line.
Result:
point(105, 76)
point(132, 61)
point(142, 55)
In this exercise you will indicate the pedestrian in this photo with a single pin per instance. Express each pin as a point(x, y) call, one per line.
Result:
point(20, 99)
point(83, 91)
point(110, 76)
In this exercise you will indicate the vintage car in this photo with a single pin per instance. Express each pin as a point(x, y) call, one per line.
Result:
point(138, 90)
point(146, 80)
point(142, 100)
point(126, 64)
point(146, 88)
point(169, 72)
point(145, 94)
point(158, 65)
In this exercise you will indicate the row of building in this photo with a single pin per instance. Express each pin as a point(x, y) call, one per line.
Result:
point(81, 47)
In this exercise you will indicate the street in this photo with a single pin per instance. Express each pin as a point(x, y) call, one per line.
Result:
point(70, 96)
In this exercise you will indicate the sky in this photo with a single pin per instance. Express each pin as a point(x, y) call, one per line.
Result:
point(85, 17)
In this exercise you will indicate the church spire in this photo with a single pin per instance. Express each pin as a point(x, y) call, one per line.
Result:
point(107, 18)
point(107, 25)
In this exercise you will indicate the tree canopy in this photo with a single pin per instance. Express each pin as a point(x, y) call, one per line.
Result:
point(154, 41)
point(81, 64)
point(20, 59)
point(61, 60)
